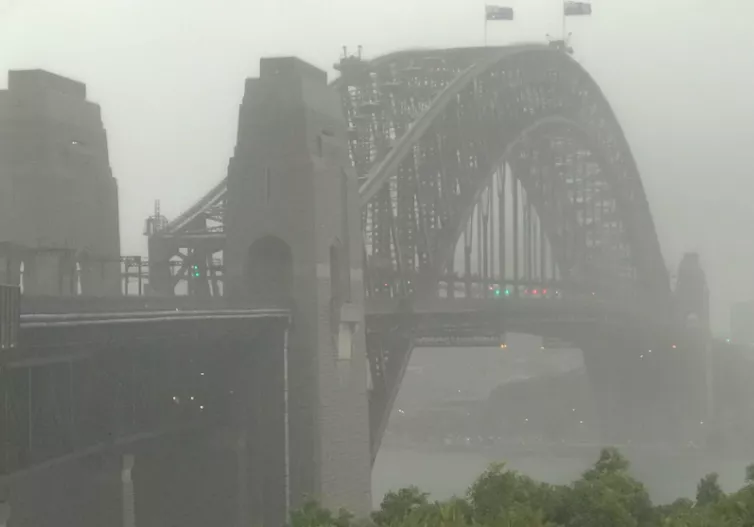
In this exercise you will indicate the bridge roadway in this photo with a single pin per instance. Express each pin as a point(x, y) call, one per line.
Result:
point(561, 316)
point(539, 316)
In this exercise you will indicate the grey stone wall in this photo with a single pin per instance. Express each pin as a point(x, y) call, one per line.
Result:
point(56, 186)
point(290, 178)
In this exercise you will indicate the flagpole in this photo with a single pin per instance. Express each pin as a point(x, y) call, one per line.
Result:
point(485, 24)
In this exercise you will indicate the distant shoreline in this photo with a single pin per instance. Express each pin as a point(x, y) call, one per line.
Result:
point(589, 451)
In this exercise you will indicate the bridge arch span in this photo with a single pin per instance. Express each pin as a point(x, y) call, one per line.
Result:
point(430, 133)
point(494, 100)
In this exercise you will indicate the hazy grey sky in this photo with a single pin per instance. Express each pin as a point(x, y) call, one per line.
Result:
point(169, 76)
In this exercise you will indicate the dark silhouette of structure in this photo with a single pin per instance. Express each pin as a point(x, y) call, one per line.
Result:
point(423, 194)
point(58, 199)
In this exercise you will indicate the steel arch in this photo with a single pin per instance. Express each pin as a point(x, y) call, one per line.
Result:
point(428, 131)
point(573, 98)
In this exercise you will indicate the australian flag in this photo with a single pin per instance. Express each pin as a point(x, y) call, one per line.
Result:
point(572, 8)
point(494, 12)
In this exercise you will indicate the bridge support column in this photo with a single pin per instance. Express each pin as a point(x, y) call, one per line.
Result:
point(294, 234)
point(4, 514)
point(5, 509)
point(263, 458)
point(129, 496)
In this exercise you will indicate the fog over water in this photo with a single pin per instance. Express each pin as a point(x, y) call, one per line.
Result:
point(435, 377)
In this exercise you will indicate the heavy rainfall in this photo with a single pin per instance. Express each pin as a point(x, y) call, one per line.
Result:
point(439, 262)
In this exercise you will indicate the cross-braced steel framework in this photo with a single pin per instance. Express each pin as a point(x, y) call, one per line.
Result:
point(483, 172)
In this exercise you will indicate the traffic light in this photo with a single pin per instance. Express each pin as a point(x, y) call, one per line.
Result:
point(195, 271)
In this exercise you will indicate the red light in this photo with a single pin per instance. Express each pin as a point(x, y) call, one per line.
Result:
point(535, 292)
point(544, 291)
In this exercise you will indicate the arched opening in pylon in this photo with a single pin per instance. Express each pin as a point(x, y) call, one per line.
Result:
point(269, 269)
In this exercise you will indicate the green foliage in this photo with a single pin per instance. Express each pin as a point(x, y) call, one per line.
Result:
point(314, 515)
point(708, 491)
point(501, 494)
point(606, 495)
point(397, 506)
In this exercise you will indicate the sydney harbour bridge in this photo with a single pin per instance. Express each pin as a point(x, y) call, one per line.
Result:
point(253, 358)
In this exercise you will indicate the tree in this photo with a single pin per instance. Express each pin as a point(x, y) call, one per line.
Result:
point(498, 491)
point(610, 491)
point(708, 490)
point(396, 506)
point(312, 514)
point(605, 496)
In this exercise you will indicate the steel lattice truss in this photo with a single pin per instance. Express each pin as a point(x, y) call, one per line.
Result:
point(431, 132)
point(481, 170)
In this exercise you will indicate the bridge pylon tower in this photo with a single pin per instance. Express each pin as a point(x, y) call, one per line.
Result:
point(294, 236)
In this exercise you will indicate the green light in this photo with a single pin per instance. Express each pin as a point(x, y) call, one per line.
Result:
point(507, 292)
point(497, 292)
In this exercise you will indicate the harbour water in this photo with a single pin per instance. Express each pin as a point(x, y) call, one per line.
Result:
point(436, 376)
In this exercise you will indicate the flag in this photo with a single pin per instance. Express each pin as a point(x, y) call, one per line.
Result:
point(494, 12)
point(571, 8)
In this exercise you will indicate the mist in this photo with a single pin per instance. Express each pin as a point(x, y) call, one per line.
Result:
point(169, 77)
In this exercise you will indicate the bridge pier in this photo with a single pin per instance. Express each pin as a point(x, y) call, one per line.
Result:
point(129, 503)
point(263, 437)
point(294, 235)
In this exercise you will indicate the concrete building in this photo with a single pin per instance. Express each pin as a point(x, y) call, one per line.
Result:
point(58, 199)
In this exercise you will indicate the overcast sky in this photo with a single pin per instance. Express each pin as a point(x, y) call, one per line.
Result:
point(169, 76)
